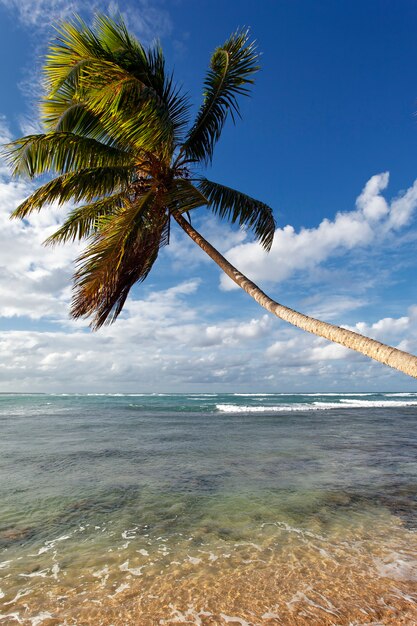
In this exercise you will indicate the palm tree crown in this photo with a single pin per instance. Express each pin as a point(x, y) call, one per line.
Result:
point(119, 142)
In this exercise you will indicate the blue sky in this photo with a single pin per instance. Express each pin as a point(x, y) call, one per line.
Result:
point(328, 139)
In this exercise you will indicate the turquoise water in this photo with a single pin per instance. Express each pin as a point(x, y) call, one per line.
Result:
point(163, 508)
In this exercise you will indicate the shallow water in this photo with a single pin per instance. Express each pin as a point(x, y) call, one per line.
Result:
point(208, 509)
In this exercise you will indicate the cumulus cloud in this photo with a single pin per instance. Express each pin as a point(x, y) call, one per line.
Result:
point(304, 350)
point(300, 355)
point(163, 343)
point(34, 280)
point(220, 234)
point(331, 306)
point(230, 333)
point(157, 344)
point(292, 251)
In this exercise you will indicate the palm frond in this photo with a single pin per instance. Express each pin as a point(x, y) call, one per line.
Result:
point(84, 221)
point(176, 102)
point(239, 208)
point(115, 38)
point(154, 109)
point(62, 113)
point(183, 196)
point(77, 45)
point(231, 69)
point(121, 254)
point(66, 110)
point(74, 46)
point(110, 70)
point(86, 185)
point(72, 116)
point(61, 152)
point(130, 112)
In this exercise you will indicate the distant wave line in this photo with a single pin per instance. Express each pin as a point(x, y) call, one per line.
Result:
point(315, 406)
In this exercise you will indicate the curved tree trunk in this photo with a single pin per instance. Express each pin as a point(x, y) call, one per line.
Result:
point(397, 359)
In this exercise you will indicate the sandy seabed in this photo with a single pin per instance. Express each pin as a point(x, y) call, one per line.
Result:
point(305, 579)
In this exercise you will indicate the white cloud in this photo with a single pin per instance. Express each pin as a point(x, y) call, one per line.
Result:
point(163, 342)
point(370, 202)
point(155, 345)
point(387, 327)
point(305, 350)
point(295, 349)
point(145, 17)
point(232, 333)
point(34, 280)
point(373, 219)
point(330, 306)
point(401, 209)
point(220, 234)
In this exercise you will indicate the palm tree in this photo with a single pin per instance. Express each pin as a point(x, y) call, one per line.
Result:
point(120, 146)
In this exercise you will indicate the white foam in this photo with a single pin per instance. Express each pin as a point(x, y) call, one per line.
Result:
point(344, 403)
point(397, 567)
point(302, 597)
point(136, 571)
point(20, 594)
point(294, 529)
point(255, 395)
point(211, 556)
point(185, 617)
point(202, 395)
point(379, 403)
point(143, 552)
point(49, 545)
point(1, 594)
point(14, 616)
point(235, 620)
point(4, 564)
point(236, 408)
point(194, 560)
point(41, 574)
point(102, 572)
point(352, 394)
point(119, 589)
point(38, 619)
point(130, 533)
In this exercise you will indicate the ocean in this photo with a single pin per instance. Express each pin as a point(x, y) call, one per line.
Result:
point(208, 509)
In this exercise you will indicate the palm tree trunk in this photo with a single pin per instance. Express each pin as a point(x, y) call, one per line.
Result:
point(397, 359)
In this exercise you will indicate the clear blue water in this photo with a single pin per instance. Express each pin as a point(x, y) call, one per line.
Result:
point(89, 483)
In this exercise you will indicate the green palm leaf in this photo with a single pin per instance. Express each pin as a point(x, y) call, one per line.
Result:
point(111, 70)
point(61, 152)
point(74, 117)
point(231, 69)
point(76, 46)
point(84, 221)
point(85, 185)
point(121, 254)
point(239, 208)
